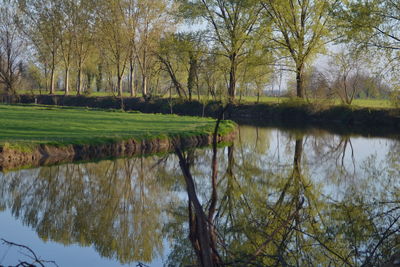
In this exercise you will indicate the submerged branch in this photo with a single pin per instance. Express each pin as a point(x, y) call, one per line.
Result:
point(33, 255)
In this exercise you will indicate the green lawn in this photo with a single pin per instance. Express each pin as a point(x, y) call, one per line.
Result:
point(30, 125)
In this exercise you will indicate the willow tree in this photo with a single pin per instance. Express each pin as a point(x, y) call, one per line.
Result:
point(301, 30)
point(233, 24)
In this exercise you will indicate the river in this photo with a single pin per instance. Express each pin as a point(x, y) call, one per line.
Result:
point(283, 198)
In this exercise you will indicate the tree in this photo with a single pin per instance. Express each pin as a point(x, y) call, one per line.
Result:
point(131, 21)
point(234, 26)
point(180, 55)
point(11, 46)
point(345, 75)
point(301, 29)
point(42, 24)
point(153, 22)
point(66, 40)
point(256, 72)
point(82, 15)
point(374, 24)
point(112, 34)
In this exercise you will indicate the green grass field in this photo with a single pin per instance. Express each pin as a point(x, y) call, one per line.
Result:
point(31, 125)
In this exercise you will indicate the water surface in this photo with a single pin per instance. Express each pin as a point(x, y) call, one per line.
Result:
point(297, 198)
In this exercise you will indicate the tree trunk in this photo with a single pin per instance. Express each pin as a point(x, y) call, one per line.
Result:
point(66, 82)
point(232, 77)
point(144, 72)
point(99, 78)
point(192, 75)
point(89, 82)
point(119, 85)
point(52, 78)
point(299, 81)
point(144, 85)
point(79, 80)
point(177, 84)
point(132, 79)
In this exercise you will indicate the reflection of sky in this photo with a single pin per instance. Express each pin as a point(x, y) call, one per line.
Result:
point(273, 153)
point(278, 156)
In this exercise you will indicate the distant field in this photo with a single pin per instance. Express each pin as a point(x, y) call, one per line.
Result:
point(58, 126)
point(371, 103)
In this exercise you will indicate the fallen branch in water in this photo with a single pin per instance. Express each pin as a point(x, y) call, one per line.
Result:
point(33, 256)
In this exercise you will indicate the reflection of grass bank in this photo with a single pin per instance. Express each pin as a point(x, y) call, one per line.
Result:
point(30, 133)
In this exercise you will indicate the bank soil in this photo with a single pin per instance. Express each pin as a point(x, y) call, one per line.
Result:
point(43, 155)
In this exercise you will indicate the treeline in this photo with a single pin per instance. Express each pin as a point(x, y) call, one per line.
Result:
point(194, 48)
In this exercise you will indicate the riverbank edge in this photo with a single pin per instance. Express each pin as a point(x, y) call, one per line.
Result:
point(15, 157)
point(337, 119)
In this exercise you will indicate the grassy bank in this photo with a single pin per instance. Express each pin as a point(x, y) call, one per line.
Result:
point(25, 126)
point(336, 118)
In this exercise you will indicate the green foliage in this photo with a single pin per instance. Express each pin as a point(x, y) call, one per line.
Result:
point(302, 30)
point(395, 98)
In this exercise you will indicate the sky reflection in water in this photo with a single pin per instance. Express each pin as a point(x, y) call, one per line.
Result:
point(125, 211)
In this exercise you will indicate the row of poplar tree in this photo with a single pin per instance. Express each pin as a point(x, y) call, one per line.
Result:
point(188, 47)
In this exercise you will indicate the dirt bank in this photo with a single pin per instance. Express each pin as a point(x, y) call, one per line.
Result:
point(43, 155)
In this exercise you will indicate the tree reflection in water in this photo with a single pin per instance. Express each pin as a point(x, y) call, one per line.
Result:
point(281, 199)
point(116, 206)
point(260, 222)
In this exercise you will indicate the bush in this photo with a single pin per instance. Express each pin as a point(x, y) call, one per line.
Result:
point(395, 98)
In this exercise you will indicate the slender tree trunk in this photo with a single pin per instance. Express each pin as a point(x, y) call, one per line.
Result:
point(52, 81)
point(144, 73)
point(299, 81)
point(66, 85)
point(232, 77)
point(79, 80)
point(197, 87)
point(120, 91)
point(99, 78)
point(177, 84)
point(192, 75)
point(132, 79)
point(46, 78)
point(144, 85)
point(119, 85)
point(89, 82)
